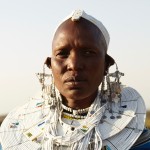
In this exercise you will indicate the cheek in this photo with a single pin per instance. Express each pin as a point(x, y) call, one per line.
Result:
point(98, 66)
point(98, 72)
point(56, 67)
point(57, 71)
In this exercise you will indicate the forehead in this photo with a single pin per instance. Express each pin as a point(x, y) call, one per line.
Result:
point(80, 24)
point(82, 30)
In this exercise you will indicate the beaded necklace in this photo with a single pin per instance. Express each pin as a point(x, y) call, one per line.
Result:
point(70, 113)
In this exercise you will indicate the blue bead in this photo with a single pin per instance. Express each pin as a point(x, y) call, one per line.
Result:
point(92, 112)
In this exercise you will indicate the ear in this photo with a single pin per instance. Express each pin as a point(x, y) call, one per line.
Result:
point(48, 62)
point(109, 61)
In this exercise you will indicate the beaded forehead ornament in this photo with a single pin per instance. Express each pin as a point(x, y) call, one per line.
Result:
point(77, 14)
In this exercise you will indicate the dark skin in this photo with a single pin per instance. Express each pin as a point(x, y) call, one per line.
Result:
point(78, 62)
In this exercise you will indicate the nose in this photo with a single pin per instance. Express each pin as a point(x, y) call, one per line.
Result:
point(75, 61)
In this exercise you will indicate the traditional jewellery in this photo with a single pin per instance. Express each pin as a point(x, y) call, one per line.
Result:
point(71, 116)
point(77, 14)
point(75, 111)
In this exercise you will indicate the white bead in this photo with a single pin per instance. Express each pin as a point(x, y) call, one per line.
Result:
point(77, 15)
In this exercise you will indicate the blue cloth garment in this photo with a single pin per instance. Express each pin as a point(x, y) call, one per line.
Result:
point(144, 146)
point(143, 143)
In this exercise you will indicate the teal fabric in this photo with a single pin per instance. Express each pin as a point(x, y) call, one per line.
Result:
point(144, 145)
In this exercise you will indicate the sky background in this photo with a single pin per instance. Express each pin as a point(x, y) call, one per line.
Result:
point(26, 29)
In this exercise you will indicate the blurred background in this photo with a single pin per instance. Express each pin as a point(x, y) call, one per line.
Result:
point(26, 30)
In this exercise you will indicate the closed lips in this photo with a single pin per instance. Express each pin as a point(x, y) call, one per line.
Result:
point(74, 79)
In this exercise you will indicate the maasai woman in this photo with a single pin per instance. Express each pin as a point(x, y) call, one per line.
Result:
point(83, 107)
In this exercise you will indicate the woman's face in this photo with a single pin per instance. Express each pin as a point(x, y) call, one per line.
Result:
point(78, 59)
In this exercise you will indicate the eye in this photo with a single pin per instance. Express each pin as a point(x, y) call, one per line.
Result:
point(89, 52)
point(62, 53)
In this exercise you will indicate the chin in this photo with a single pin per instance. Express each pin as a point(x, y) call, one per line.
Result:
point(78, 94)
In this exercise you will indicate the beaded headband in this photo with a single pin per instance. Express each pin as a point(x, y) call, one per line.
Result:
point(77, 14)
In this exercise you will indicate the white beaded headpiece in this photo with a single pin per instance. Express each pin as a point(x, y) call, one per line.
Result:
point(77, 14)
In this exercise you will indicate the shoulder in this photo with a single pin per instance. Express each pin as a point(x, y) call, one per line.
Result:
point(19, 120)
point(129, 117)
point(143, 141)
point(129, 91)
point(131, 95)
point(22, 112)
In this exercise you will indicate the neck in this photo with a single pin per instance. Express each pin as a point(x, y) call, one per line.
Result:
point(80, 104)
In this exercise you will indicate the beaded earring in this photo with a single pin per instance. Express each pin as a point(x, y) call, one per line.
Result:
point(41, 77)
point(48, 89)
point(52, 101)
point(112, 93)
point(115, 86)
point(103, 97)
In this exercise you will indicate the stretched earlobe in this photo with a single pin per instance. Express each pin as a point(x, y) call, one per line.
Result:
point(48, 62)
point(109, 61)
point(106, 69)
